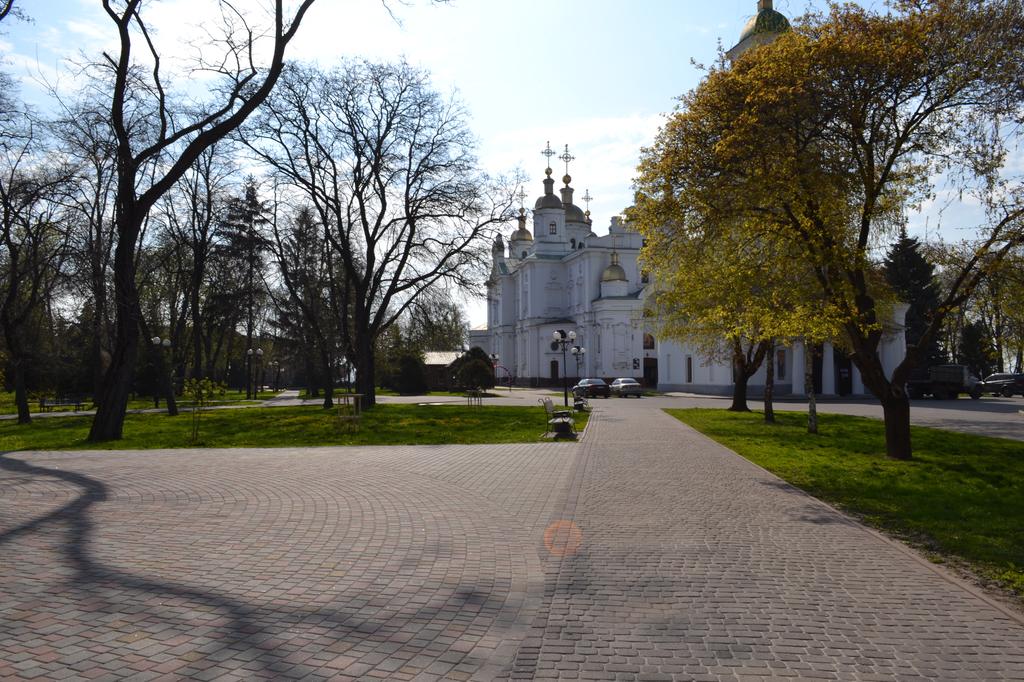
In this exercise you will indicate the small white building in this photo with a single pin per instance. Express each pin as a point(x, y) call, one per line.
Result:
point(563, 276)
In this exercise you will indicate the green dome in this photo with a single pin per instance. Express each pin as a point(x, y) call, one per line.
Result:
point(765, 21)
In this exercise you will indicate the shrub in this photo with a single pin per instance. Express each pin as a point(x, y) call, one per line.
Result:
point(476, 374)
point(411, 378)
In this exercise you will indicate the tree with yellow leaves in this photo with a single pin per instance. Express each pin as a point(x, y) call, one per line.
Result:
point(819, 141)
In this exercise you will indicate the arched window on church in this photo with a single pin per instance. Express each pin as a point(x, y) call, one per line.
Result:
point(648, 342)
point(523, 255)
point(553, 228)
point(572, 243)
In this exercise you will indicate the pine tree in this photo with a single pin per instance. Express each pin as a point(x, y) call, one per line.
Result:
point(912, 277)
point(245, 244)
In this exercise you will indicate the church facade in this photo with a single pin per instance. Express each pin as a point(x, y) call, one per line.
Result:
point(562, 277)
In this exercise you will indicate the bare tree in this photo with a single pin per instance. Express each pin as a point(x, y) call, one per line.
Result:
point(306, 267)
point(388, 165)
point(33, 236)
point(192, 210)
point(147, 168)
point(83, 134)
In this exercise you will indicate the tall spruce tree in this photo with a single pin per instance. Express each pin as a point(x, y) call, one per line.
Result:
point(912, 277)
point(244, 242)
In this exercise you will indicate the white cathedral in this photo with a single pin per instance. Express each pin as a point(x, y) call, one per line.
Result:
point(564, 278)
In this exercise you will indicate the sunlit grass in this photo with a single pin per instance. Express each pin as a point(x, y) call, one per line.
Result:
point(292, 426)
point(961, 496)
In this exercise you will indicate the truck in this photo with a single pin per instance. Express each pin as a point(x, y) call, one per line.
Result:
point(943, 382)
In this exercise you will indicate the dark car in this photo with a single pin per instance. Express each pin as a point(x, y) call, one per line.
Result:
point(591, 388)
point(1003, 384)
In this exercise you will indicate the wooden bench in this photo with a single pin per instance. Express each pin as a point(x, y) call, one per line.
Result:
point(47, 404)
point(560, 422)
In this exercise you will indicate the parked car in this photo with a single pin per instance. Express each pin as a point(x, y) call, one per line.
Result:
point(1003, 384)
point(625, 387)
point(591, 388)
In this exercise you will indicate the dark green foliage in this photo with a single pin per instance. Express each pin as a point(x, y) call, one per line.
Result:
point(411, 378)
point(977, 350)
point(480, 376)
point(912, 277)
point(476, 374)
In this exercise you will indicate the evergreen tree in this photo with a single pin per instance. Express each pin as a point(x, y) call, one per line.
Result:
point(411, 378)
point(245, 245)
point(912, 277)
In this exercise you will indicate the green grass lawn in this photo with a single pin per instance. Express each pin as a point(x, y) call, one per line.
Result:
point(7, 405)
point(961, 498)
point(292, 426)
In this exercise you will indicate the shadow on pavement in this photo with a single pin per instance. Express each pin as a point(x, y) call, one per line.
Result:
point(249, 634)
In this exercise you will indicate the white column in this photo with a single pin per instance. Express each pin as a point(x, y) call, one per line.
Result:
point(828, 370)
point(858, 383)
point(798, 368)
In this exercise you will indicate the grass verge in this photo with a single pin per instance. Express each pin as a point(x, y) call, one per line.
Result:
point(291, 427)
point(961, 499)
point(7, 405)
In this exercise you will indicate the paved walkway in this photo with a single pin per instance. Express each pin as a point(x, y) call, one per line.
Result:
point(643, 552)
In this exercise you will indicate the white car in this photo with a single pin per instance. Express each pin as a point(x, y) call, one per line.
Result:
point(626, 387)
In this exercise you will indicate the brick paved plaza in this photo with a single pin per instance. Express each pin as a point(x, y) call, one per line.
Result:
point(645, 551)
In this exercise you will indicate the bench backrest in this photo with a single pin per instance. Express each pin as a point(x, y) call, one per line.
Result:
point(548, 406)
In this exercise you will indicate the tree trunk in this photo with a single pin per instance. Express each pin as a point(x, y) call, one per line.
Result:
point(739, 393)
point(168, 381)
point(108, 423)
point(328, 380)
point(896, 411)
point(812, 404)
point(20, 394)
point(769, 386)
point(365, 380)
point(18, 359)
point(198, 368)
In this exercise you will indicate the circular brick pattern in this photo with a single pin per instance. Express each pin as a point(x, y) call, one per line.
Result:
point(453, 562)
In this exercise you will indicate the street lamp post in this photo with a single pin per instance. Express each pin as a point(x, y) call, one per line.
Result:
point(494, 366)
point(564, 340)
point(248, 373)
point(276, 365)
point(252, 372)
point(257, 378)
point(578, 353)
point(165, 345)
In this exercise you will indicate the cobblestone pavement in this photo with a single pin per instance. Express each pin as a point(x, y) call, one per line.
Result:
point(643, 552)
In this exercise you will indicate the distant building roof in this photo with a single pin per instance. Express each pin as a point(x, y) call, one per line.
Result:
point(440, 357)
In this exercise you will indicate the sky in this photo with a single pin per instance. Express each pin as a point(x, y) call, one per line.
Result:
point(598, 75)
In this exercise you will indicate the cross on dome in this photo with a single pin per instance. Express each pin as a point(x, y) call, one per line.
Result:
point(521, 196)
point(567, 157)
point(548, 152)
